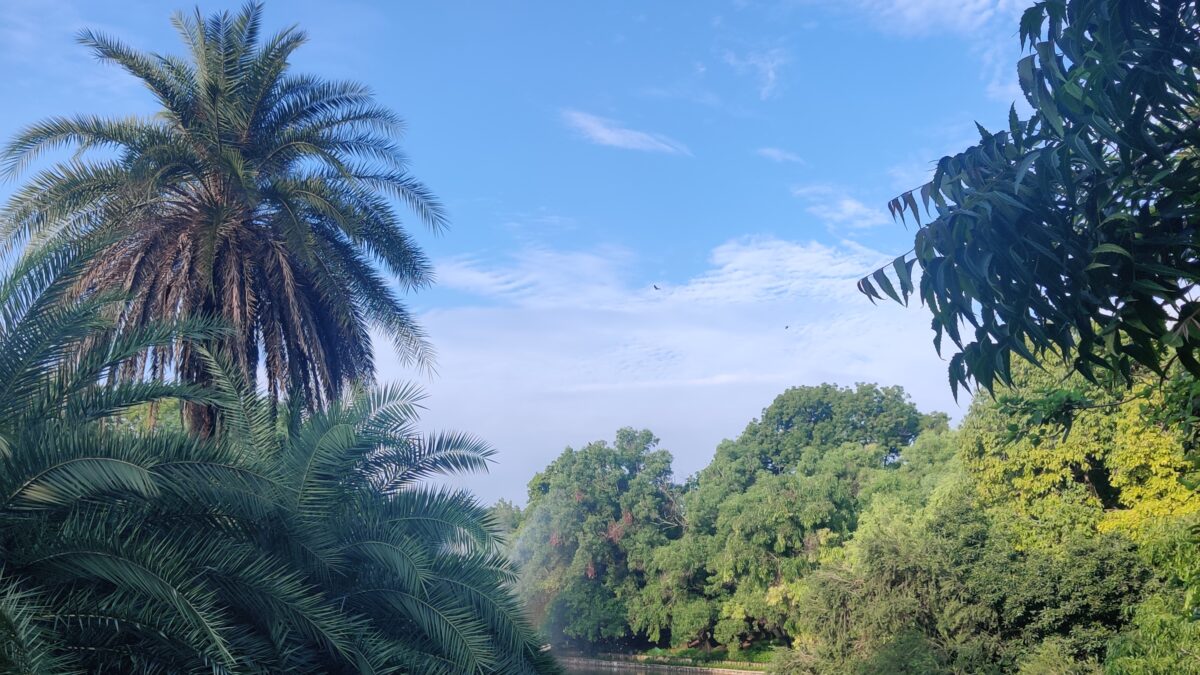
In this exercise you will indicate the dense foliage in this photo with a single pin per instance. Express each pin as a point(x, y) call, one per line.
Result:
point(282, 529)
point(298, 543)
point(1069, 240)
point(858, 535)
point(764, 509)
point(251, 224)
point(593, 519)
point(255, 195)
point(1074, 231)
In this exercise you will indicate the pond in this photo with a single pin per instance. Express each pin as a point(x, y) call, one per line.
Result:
point(575, 666)
point(615, 670)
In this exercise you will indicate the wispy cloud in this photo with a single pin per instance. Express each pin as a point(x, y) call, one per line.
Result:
point(693, 86)
point(912, 174)
point(764, 65)
point(778, 155)
point(562, 346)
point(537, 276)
point(990, 25)
point(838, 210)
point(1000, 73)
point(39, 52)
point(604, 131)
point(924, 17)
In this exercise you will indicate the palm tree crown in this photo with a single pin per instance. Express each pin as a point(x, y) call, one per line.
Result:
point(255, 195)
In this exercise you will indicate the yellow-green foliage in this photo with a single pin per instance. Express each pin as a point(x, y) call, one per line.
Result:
point(1114, 467)
point(1004, 547)
point(1147, 465)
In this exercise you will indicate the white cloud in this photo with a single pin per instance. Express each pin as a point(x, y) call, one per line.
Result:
point(1000, 72)
point(764, 65)
point(39, 52)
point(694, 87)
point(540, 277)
point(838, 210)
point(778, 155)
point(913, 174)
point(603, 131)
point(989, 25)
point(563, 347)
point(931, 16)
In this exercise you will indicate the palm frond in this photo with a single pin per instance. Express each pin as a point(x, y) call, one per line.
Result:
point(26, 648)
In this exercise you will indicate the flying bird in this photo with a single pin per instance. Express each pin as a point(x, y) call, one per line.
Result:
point(656, 287)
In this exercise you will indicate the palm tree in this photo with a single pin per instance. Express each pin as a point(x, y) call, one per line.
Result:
point(293, 542)
point(420, 568)
point(69, 482)
point(255, 195)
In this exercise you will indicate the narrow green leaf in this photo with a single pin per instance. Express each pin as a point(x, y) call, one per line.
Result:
point(881, 278)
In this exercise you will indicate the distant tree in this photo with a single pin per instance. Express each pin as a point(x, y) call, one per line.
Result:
point(768, 506)
point(1074, 232)
point(506, 516)
point(947, 590)
point(254, 195)
point(1163, 631)
point(795, 431)
point(593, 519)
point(166, 414)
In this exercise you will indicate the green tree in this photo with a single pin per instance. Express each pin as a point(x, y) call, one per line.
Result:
point(506, 516)
point(594, 518)
point(298, 543)
point(1072, 232)
point(1070, 238)
point(416, 573)
point(1118, 468)
point(947, 589)
point(795, 431)
point(255, 195)
point(768, 506)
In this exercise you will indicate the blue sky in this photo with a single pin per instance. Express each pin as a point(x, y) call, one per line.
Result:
point(737, 154)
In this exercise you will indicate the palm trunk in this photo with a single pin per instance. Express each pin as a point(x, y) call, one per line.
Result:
point(199, 419)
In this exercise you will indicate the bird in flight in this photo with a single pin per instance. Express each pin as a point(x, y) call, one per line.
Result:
point(656, 287)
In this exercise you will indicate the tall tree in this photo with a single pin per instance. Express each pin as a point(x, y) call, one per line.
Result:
point(255, 195)
point(946, 589)
point(594, 517)
point(771, 502)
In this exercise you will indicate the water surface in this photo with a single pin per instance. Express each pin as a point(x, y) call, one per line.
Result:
point(629, 669)
point(621, 670)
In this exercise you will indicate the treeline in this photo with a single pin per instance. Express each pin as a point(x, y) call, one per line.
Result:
point(853, 533)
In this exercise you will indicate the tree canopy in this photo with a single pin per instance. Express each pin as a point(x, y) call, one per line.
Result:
point(853, 534)
point(302, 545)
point(249, 224)
point(593, 518)
point(255, 195)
